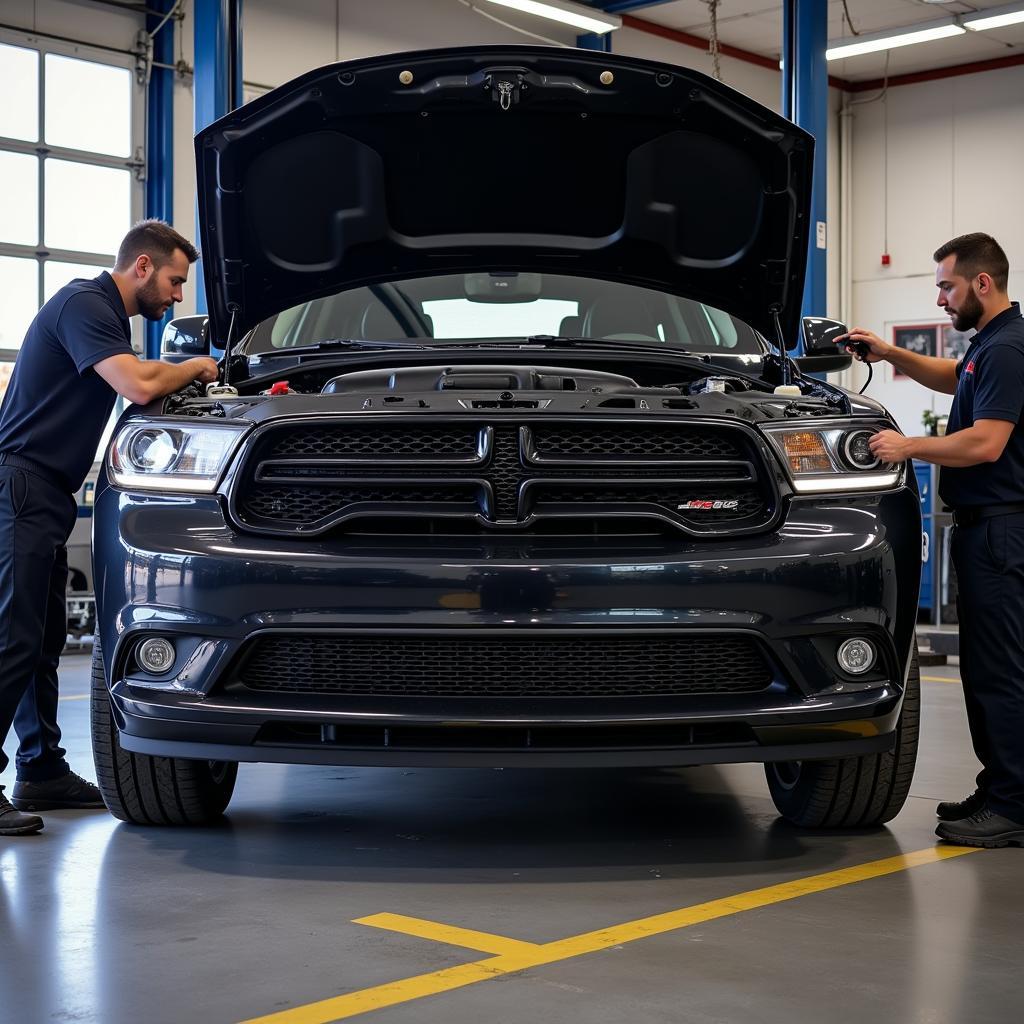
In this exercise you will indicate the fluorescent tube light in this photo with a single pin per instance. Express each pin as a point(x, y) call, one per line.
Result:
point(589, 19)
point(999, 17)
point(858, 45)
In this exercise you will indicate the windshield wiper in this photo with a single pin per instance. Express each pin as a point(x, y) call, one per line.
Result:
point(569, 342)
point(334, 345)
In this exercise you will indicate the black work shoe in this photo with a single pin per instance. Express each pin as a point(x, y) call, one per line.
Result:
point(957, 810)
point(984, 828)
point(69, 790)
point(13, 822)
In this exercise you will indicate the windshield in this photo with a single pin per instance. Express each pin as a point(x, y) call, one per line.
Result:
point(506, 306)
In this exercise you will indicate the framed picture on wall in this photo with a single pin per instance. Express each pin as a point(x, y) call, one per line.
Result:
point(954, 343)
point(920, 338)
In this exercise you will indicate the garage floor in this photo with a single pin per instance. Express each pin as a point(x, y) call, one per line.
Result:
point(634, 878)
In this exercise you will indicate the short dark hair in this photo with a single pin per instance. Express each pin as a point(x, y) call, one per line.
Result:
point(157, 240)
point(977, 253)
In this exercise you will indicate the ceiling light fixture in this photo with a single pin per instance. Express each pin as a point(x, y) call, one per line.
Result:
point(994, 17)
point(889, 41)
point(588, 19)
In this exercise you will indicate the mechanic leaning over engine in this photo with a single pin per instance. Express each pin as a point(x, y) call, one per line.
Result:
point(982, 482)
point(76, 358)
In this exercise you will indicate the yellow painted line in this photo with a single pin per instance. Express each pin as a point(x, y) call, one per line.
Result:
point(525, 955)
point(941, 679)
point(483, 942)
point(75, 696)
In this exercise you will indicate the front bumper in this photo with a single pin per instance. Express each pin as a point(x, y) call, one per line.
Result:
point(834, 568)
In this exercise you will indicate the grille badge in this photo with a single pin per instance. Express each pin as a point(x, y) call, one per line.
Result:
point(707, 505)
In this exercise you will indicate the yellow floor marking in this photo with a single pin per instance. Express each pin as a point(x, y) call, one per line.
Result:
point(941, 679)
point(483, 942)
point(75, 696)
point(526, 955)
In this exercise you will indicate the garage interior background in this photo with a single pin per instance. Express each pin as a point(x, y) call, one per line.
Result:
point(903, 161)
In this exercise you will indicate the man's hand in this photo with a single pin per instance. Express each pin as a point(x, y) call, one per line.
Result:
point(891, 446)
point(205, 369)
point(877, 349)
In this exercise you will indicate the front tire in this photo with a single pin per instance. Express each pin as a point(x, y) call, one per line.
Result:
point(852, 792)
point(152, 790)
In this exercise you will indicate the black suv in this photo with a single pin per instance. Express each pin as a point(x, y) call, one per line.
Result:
point(508, 464)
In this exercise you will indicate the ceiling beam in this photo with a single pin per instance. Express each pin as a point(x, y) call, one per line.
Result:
point(955, 71)
point(759, 60)
point(700, 43)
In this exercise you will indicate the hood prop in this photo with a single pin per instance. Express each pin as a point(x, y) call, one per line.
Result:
point(225, 388)
point(786, 387)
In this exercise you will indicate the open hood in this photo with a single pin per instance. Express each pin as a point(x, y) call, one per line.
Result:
point(504, 158)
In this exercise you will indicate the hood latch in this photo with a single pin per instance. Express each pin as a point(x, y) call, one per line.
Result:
point(505, 87)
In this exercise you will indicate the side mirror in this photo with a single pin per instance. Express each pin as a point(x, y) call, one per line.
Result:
point(819, 335)
point(185, 337)
point(821, 354)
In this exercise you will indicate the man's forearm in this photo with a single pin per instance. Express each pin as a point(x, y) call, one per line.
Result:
point(165, 378)
point(967, 447)
point(934, 373)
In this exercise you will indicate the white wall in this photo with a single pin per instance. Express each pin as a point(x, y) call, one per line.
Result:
point(955, 164)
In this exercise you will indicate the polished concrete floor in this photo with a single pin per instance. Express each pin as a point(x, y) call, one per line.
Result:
point(107, 923)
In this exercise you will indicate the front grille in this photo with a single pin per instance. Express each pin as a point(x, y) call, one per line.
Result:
point(509, 667)
point(372, 441)
point(306, 478)
point(305, 505)
point(634, 441)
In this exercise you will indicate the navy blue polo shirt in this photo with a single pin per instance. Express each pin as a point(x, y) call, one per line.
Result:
point(56, 404)
point(990, 386)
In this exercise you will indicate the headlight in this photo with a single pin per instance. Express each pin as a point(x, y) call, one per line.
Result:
point(833, 458)
point(165, 456)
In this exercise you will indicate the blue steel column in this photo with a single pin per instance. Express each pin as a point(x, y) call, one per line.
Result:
point(218, 77)
point(595, 41)
point(805, 101)
point(160, 143)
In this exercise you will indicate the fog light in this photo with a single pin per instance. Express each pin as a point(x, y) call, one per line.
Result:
point(856, 656)
point(156, 656)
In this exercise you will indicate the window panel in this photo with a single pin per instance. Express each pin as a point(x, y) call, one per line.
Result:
point(460, 318)
point(19, 198)
point(19, 299)
point(19, 77)
point(88, 208)
point(57, 274)
point(103, 125)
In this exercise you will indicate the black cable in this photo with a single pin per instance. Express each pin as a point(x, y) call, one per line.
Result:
point(868, 381)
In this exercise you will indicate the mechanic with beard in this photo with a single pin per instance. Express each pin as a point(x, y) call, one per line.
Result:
point(76, 359)
point(982, 482)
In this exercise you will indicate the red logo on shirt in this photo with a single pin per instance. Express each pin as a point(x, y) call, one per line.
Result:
point(970, 367)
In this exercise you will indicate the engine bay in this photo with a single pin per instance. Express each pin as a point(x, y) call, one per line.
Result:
point(450, 387)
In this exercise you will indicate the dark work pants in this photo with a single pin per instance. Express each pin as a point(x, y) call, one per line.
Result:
point(989, 560)
point(36, 519)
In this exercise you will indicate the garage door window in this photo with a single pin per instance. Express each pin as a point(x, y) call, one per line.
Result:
point(70, 179)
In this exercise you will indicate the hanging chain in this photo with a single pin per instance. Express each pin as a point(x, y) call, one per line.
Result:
point(713, 47)
point(848, 20)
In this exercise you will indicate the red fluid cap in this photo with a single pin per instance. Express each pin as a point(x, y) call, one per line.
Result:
point(279, 387)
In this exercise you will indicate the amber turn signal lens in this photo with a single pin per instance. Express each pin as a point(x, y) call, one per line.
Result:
point(806, 453)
